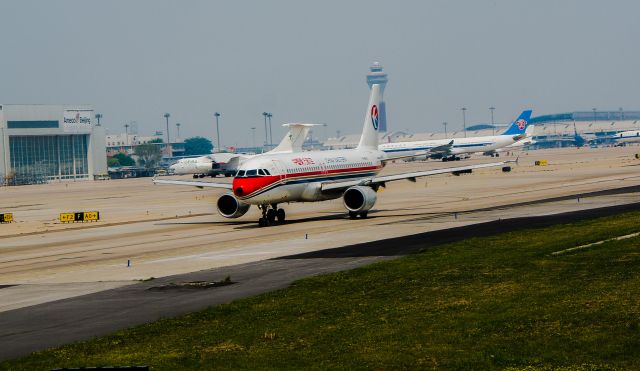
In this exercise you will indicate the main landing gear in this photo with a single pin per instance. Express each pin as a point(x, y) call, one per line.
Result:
point(270, 213)
point(450, 158)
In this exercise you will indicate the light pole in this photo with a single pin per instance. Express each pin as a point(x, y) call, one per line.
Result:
point(217, 116)
point(253, 137)
point(493, 127)
point(166, 116)
point(126, 134)
point(324, 126)
point(269, 115)
point(464, 120)
point(594, 116)
point(99, 116)
point(266, 133)
point(178, 128)
point(620, 109)
point(445, 129)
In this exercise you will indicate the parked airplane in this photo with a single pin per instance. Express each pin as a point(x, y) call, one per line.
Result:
point(630, 136)
point(350, 174)
point(451, 149)
point(227, 163)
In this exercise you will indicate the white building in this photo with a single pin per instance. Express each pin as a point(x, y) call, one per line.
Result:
point(39, 143)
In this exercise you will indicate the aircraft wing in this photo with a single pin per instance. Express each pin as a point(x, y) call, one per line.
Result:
point(401, 157)
point(381, 180)
point(444, 149)
point(194, 183)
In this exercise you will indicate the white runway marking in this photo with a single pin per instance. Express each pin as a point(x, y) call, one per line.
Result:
point(596, 243)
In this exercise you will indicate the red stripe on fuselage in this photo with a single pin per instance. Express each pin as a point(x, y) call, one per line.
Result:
point(243, 187)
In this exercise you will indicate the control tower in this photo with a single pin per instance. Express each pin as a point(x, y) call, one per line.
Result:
point(377, 76)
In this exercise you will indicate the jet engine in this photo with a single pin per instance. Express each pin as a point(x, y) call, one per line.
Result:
point(231, 207)
point(359, 199)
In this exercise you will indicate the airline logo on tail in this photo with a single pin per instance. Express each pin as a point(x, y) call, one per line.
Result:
point(374, 117)
point(520, 124)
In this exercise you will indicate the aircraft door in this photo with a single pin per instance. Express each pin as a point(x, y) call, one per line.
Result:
point(280, 168)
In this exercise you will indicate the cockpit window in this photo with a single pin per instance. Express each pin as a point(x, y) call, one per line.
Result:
point(240, 174)
point(252, 172)
point(261, 172)
point(266, 172)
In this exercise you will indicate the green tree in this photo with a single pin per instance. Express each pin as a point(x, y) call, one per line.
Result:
point(156, 140)
point(124, 159)
point(148, 155)
point(197, 146)
point(113, 162)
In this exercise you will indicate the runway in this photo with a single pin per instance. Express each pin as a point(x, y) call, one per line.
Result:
point(166, 231)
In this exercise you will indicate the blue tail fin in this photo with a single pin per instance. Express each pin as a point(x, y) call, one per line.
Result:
point(520, 125)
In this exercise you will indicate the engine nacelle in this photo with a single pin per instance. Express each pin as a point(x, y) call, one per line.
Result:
point(230, 207)
point(358, 199)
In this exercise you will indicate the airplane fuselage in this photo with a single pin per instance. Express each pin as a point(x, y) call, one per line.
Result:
point(631, 136)
point(459, 146)
point(298, 177)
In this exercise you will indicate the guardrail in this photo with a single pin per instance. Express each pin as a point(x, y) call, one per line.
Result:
point(80, 216)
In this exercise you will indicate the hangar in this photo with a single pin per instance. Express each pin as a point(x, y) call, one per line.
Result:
point(41, 143)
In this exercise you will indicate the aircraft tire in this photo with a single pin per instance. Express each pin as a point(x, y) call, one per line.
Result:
point(280, 215)
point(364, 214)
point(262, 222)
point(352, 215)
point(271, 215)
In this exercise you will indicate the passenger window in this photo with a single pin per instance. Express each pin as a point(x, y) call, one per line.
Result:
point(252, 172)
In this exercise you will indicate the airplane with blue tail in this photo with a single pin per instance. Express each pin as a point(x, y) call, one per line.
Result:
point(451, 149)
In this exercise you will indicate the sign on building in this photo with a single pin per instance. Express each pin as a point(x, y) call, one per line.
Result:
point(77, 119)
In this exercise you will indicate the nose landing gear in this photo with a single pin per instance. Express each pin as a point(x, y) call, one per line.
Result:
point(271, 213)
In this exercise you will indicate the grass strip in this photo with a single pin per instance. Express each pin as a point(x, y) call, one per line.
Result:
point(484, 303)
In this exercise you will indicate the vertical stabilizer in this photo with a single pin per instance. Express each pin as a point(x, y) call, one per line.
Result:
point(369, 138)
point(293, 141)
point(519, 126)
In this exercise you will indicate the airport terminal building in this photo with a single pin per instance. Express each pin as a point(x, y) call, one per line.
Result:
point(42, 143)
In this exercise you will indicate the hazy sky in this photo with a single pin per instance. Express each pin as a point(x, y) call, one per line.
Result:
point(307, 60)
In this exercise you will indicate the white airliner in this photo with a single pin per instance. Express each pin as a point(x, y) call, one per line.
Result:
point(227, 163)
point(451, 149)
point(630, 136)
point(350, 174)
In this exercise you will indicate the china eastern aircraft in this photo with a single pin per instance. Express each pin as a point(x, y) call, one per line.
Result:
point(350, 174)
point(227, 163)
point(451, 149)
